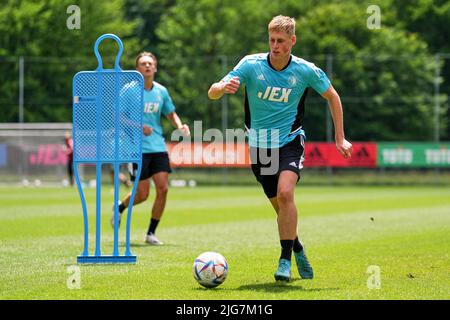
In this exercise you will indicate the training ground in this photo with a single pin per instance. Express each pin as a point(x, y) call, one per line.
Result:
point(403, 231)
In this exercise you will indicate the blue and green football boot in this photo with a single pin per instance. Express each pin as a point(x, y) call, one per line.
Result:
point(304, 268)
point(284, 271)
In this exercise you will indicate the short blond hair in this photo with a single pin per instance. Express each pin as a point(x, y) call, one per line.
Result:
point(282, 23)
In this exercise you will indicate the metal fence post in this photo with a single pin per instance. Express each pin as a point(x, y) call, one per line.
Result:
point(437, 107)
point(21, 87)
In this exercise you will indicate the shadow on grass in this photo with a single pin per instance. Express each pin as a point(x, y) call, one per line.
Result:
point(273, 287)
point(141, 245)
point(282, 287)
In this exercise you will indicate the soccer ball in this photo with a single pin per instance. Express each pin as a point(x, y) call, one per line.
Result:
point(210, 269)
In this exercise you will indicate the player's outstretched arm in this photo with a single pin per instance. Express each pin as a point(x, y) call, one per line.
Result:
point(343, 146)
point(176, 122)
point(218, 89)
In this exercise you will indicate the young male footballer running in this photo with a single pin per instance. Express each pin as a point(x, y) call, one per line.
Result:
point(155, 159)
point(276, 85)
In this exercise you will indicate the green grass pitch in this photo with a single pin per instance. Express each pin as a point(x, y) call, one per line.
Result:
point(405, 231)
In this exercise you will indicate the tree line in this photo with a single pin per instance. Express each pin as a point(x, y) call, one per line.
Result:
point(387, 77)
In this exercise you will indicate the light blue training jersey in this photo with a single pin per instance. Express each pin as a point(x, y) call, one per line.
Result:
point(274, 100)
point(157, 102)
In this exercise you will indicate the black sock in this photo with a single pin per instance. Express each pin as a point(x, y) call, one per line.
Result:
point(297, 245)
point(121, 207)
point(153, 225)
point(286, 249)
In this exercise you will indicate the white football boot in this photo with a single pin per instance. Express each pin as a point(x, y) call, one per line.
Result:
point(153, 240)
point(112, 216)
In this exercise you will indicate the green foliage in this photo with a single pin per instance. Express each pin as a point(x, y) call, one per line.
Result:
point(146, 14)
point(429, 19)
point(385, 77)
point(53, 53)
point(200, 42)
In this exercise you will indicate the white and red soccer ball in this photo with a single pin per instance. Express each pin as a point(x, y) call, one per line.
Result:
point(210, 269)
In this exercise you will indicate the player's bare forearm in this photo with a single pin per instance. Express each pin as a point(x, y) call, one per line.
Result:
point(334, 102)
point(125, 121)
point(218, 89)
point(176, 122)
point(338, 117)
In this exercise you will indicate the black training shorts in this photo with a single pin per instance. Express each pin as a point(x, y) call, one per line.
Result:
point(151, 163)
point(290, 157)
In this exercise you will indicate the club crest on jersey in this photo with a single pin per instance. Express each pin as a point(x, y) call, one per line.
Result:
point(275, 94)
point(292, 80)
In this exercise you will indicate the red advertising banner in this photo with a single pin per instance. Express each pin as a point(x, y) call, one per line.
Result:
point(317, 154)
point(219, 155)
point(322, 154)
point(186, 154)
point(48, 155)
